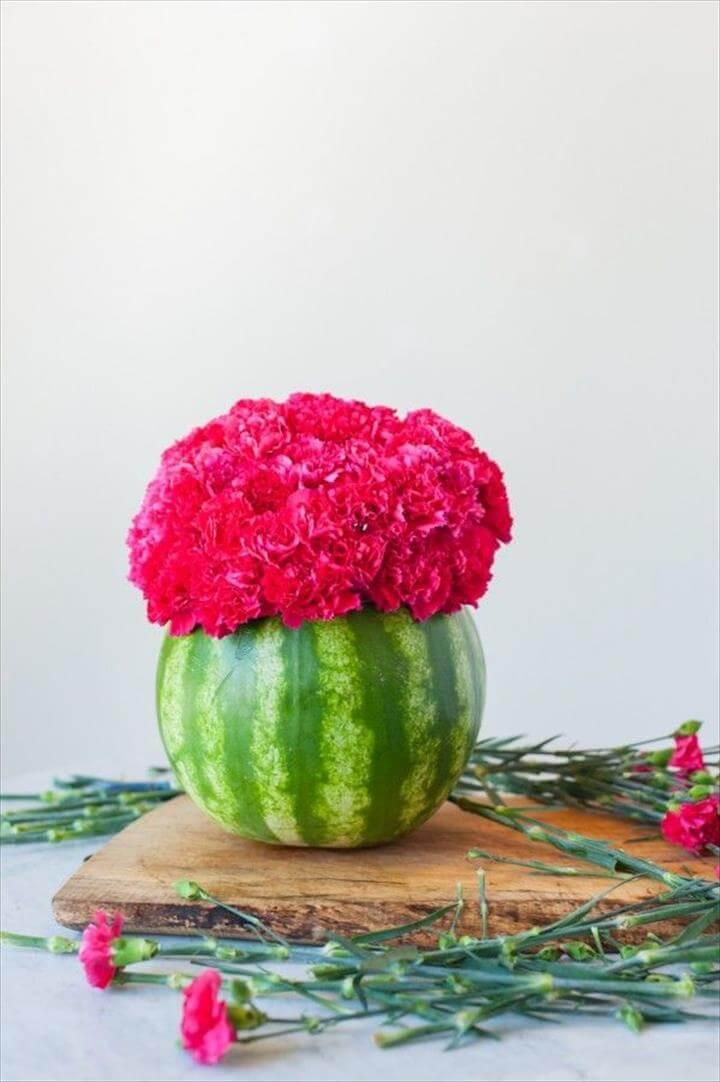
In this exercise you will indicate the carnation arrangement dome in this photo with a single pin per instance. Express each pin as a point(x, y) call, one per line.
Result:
point(321, 681)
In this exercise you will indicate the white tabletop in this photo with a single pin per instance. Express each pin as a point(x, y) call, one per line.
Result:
point(57, 1028)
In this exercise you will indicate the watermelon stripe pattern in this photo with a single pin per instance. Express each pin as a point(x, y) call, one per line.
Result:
point(342, 733)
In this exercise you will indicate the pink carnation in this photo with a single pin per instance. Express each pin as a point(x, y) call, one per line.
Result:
point(688, 755)
point(205, 1029)
point(310, 508)
point(694, 826)
point(96, 950)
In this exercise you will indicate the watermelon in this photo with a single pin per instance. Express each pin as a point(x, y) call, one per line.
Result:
point(346, 732)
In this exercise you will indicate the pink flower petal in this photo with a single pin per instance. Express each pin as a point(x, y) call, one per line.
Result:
point(688, 755)
point(205, 1029)
point(95, 954)
point(695, 825)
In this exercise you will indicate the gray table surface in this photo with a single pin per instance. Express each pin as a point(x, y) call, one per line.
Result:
point(55, 1027)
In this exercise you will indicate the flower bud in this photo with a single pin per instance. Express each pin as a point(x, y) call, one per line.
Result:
point(508, 953)
point(465, 1019)
point(260, 985)
point(187, 888)
point(335, 950)
point(58, 944)
point(328, 972)
point(671, 879)
point(631, 1017)
point(579, 952)
point(228, 954)
point(381, 978)
point(548, 954)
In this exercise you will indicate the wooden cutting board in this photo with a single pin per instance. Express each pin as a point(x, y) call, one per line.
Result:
point(302, 893)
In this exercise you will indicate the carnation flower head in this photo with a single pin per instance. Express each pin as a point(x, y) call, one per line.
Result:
point(205, 1029)
point(310, 508)
point(694, 825)
point(687, 756)
point(96, 951)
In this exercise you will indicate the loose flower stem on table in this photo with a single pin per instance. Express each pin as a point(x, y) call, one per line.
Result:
point(450, 989)
point(80, 807)
point(453, 991)
point(675, 788)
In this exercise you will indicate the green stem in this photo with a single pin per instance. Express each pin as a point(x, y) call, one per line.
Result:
point(55, 944)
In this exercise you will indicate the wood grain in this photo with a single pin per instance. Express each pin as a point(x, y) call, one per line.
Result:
point(304, 892)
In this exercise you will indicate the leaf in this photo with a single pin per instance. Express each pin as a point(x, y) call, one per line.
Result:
point(383, 934)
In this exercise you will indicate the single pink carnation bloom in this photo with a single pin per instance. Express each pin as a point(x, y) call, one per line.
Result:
point(694, 826)
point(96, 950)
point(205, 1029)
point(688, 755)
point(311, 508)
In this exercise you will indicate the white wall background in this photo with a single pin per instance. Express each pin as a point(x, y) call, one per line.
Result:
point(505, 211)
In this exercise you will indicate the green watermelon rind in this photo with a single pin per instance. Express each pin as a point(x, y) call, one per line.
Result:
point(340, 733)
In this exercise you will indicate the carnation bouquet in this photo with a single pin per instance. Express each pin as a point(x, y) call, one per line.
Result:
point(314, 561)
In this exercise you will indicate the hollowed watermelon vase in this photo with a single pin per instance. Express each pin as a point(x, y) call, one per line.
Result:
point(340, 733)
